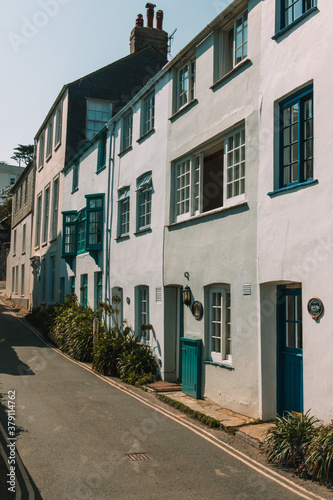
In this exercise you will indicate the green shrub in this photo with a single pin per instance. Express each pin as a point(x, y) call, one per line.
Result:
point(107, 351)
point(319, 460)
point(135, 362)
point(287, 442)
point(71, 330)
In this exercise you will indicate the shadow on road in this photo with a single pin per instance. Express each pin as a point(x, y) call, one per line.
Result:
point(23, 480)
point(14, 333)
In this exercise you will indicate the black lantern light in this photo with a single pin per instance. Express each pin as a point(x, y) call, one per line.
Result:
point(187, 295)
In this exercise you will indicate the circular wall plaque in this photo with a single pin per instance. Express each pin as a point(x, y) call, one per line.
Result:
point(315, 308)
point(197, 309)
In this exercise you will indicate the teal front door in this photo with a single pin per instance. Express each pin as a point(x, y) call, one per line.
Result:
point(191, 367)
point(290, 349)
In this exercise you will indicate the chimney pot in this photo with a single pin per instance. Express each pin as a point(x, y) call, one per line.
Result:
point(150, 14)
point(159, 19)
point(139, 21)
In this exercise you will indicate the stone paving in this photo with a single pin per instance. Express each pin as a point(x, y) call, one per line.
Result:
point(247, 428)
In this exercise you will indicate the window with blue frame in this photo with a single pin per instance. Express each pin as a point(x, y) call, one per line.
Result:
point(144, 194)
point(94, 225)
point(101, 162)
point(296, 139)
point(83, 230)
point(69, 234)
point(291, 10)
point(84, 290)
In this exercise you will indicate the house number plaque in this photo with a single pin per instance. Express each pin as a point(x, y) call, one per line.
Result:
point(315, 308)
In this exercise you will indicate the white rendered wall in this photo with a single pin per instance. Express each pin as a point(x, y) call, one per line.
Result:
point(221, 247)
point(295, 228)
point(137, 260)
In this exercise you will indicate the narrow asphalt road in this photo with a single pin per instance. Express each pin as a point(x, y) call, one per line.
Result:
point(75, 430)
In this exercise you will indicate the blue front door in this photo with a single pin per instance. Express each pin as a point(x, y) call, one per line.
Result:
point(290, 349)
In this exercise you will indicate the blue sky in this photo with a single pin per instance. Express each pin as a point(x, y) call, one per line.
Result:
point(47, 43)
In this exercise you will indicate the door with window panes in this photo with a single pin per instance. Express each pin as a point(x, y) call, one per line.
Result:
point(290, 349)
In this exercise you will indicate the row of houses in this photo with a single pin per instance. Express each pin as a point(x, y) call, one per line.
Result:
point(202, 200)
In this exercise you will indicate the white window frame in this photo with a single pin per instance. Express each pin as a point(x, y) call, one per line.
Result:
point(14, 242)
point(16, 278)
point(123, 212)
point(185, 84)
point(221, 331)
point(55, 208)
point(97, 118)
point(189, 190)
point(142, 313)
point(24, 231)
point(41, 151)
point(226, 45)
point(38, 219)
point(144, 202)
point(58, 127)
point(22, 279)
point(49, 144)
point(46, 214)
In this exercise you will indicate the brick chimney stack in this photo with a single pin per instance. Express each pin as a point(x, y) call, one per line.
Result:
point(150, 14)
point(142, 37)
point(159, 19)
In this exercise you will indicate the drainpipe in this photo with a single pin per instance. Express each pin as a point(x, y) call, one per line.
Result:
point(109, 215)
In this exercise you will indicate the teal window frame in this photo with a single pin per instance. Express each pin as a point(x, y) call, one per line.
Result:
point(148, 114)
point(84, 290)
point(69, 234)
point(101, 162)
point(72, 284)
point(94, 222)
point(294, 9)
point(296, 139)
point(127, 131)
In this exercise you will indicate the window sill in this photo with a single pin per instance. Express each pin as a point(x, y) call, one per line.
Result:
point(48, 158)
point(23, 253)
point(52, 240)
point(207, 214)
point(101, 169)
point(44, 244)
point(240, 65)
point(293, 187)
point(124, 151)
point(74, 190)
point(220, 365)
point(57, 146)
point(143, 231)
point(146, 135)
point(294, 23)
point(123, 237)
point(183, 109)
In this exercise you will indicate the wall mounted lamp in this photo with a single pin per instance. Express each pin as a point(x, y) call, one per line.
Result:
point(186, 295)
